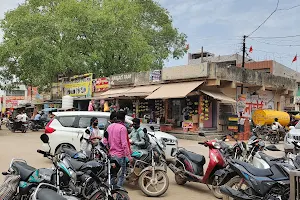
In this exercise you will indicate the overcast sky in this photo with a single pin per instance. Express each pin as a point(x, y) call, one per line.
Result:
point(218, 26)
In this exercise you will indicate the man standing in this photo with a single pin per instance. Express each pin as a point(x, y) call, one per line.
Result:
point(119, 147)
point(137, 136)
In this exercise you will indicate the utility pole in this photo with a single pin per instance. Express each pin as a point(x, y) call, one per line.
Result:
point(243, 61)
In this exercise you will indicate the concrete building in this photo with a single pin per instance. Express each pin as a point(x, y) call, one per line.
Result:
point(222, 60)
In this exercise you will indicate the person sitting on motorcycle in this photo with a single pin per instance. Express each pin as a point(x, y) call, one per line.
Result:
point(276, 125)
point(91, 136)
point(136, 138)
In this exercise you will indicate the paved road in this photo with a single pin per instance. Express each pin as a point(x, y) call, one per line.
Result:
point(17, 145)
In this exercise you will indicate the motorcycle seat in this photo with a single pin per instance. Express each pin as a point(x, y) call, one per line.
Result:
point(196, 158)
point(70, 152)
point(48, 194)
point(76, 164)
point(267, 158)
point(253, 170)
point(24, 170)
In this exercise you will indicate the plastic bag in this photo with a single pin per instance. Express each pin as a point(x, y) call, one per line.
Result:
point(9, 187)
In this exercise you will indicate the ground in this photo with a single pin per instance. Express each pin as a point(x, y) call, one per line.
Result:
point(24, 146)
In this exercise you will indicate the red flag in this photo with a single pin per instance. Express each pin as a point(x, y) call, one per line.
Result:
point(295, 58)
point(187, 47)
point(251, 49)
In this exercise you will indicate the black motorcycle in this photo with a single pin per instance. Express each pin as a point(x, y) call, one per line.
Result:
point(16, 125)
point(260, 184)
point(35, 125)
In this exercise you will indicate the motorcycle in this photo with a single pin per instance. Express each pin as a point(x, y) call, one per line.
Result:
point(188, 166)
point(149, 169)
point(35, 125)
point(260, 131)
point(255, 183)
point(99, 173)
point(18, 126)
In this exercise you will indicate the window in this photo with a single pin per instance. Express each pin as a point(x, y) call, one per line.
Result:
point(67, 121)
point(85, 122)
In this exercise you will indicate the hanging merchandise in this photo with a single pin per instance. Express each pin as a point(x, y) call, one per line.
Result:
point(205, 108)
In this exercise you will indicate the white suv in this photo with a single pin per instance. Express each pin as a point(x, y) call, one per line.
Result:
point(68, 127)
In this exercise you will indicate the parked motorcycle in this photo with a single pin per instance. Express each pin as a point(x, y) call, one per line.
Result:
point(100, 171)
point(255, 183)
point(188, 166)
point(149, 170)
point(260, 131)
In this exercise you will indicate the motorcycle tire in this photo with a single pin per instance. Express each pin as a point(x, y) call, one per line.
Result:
point(180, 180)
point(216, 190)
point(144, 183)
point(272, 139)
point(120, 195)
point(234, 181)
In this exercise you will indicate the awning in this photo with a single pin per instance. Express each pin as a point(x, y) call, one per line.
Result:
point(174, 90)
point(142, 91)
point(219, 96)
point(118, 92)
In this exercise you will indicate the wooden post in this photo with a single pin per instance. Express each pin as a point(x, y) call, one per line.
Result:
point(200, 113)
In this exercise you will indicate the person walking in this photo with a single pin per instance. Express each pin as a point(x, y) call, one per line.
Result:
point(119, 147)
point(91, 106)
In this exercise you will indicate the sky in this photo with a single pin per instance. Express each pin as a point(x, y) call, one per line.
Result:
point(219, 25)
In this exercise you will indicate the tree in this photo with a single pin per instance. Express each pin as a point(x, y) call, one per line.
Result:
point(44, 38)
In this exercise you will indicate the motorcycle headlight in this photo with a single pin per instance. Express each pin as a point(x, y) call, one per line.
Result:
point(216, 145)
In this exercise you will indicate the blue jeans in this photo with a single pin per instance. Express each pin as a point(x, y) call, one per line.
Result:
point(123, 163)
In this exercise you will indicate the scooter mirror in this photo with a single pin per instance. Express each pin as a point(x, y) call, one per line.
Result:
point(145, 130)
point(45, 138)
point(87, 131)
point(152, 128)
point(201, 134)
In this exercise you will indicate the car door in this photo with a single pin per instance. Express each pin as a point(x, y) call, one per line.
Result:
point(67, 129)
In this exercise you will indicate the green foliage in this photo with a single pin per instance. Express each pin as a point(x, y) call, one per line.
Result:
point(44, 38)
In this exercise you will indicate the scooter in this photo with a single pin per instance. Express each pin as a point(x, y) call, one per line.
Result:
point(188, 166)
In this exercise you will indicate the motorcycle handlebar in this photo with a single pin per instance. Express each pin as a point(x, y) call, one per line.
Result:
point(43, 152)
point(202, 143)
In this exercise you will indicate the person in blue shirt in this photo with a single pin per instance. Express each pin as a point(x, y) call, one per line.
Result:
point(37, 117)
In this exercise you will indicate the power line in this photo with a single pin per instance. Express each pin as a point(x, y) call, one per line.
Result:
point(265, 19)
point(280, 45)
point(279, 37)
point(290, 7)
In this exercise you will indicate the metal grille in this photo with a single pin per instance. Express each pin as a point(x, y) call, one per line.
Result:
point(295, 184)
point(297, 137)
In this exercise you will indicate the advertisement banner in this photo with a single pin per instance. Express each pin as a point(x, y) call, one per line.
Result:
point(79, 86)
point(13, 101)
point(34, 97)
point(101, 84)
point(155, 76)
point(122, 79)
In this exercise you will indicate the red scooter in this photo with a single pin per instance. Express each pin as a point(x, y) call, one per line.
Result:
point(188, 166)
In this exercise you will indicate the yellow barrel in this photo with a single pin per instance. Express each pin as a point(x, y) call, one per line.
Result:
point(266, 117)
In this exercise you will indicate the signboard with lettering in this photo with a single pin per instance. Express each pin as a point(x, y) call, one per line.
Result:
point(79, 86)
point(101, 84)
point(122, 79)
point(155, 76)
point(13, 101)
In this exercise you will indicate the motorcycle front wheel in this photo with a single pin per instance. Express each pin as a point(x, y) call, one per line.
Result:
point(153, 186)
point(234, 183)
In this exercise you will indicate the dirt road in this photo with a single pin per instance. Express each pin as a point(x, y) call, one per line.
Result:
point(17, 145)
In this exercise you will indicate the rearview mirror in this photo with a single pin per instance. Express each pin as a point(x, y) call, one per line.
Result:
point(145, 130)
point(152, 128)
point(87, 131)
point(45, 138)
point(202, 134)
